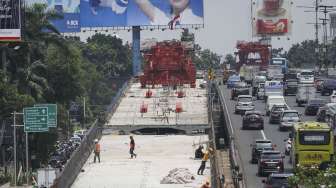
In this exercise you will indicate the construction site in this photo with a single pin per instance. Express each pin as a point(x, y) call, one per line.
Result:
point(166, 111)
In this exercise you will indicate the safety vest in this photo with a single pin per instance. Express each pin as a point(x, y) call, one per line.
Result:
point(97, 147)
point(205, 156)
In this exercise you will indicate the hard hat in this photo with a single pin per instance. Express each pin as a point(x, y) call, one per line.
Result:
point(96, 140)
point(210, 149)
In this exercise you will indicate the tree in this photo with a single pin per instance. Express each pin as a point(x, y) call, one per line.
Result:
point(303, 54)
point(230, 60)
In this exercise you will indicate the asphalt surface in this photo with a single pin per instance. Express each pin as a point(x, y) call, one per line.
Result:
point(246, 137)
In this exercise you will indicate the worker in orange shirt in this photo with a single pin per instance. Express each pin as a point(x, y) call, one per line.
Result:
point(96, 151)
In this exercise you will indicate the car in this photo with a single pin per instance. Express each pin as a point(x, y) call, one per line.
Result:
point(325, 112)
point(270, 162)
point(328, 86)
point(290, 87)
point(318, 84)
point(240, 88)
point(313, 105)
point(305, 92)
point(259, 146)
point(288, 118)
point(253, 120)
point(244, 103)
point(277, 180)
point(261, 91)
point(275, 114)
point(290, 76)
point(306, 77)
point(333, 97)
point(233, 79)
point(274, 100)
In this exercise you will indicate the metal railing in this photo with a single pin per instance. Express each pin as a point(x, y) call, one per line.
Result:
point(79, 157)
point(237, 168)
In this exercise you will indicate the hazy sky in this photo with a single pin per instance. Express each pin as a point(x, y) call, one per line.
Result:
point(227, 21)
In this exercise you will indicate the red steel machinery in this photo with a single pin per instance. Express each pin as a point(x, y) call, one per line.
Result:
point(168, 63)
point(253, 54)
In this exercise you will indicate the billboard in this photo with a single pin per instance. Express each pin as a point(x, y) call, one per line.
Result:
point(165, 12)
point(69, 9)
point(271, 17)
point(10, 20)
point(103, 13)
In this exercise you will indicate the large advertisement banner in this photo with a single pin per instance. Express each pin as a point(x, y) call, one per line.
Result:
point(10, 20)
point(271, 17)
point(69, 9)
point(165, 12)
point(103, 13)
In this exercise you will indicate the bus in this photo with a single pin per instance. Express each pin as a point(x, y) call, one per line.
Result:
point(280, 61)
point(312, 144)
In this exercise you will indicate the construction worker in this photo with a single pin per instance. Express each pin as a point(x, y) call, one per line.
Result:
point(96, 151)
point(204, 160)
point(132, 146)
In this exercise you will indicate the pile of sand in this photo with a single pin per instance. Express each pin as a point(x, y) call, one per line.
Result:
point(178, 176)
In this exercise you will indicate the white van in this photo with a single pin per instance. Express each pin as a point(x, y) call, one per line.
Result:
point(273, 88)
point(274, 100)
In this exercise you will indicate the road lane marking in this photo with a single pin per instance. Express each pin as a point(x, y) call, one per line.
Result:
point(263, 134)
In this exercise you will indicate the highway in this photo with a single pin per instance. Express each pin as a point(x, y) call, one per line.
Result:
point(246, 137)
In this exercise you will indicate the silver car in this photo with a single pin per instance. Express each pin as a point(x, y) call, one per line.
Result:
point(288, 118)
point(244, 103)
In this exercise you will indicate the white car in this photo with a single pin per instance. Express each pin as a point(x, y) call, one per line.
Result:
point(244, 103)
point(306, 77)
point(333, 97)
point(288, 119)
point(274, 100)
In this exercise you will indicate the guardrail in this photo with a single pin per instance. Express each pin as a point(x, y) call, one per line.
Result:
point(238, 175)
point(79, 157)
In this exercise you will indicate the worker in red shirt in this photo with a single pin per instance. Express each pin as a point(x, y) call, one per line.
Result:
point(96, 151)
point(132, 146)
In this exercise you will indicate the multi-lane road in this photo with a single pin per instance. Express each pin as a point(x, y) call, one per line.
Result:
point(246, 137)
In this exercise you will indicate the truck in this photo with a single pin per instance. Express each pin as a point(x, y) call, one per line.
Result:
point(248, 73)
point(273, 88)
point(274, 71)
point(304, 93)
point(312, 144)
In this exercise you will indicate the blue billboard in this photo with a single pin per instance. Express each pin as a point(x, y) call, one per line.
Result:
point(165, 12)
point(69, 9)
point(103, 13)
point(124, 13)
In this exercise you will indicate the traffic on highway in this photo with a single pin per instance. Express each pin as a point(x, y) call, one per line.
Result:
point(280, 122)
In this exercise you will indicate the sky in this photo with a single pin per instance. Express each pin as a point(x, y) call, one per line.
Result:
point(229, 21)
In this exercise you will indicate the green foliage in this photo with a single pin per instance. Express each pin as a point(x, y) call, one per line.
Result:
point(230, 59)
point(312, 177)
point(47, 68)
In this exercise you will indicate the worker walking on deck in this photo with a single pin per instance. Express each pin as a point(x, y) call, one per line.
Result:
point(132, 146)
point(204, 160)
point(96, 151)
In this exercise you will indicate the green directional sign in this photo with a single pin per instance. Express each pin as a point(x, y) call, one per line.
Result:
point(52, 113)
point(36, 119)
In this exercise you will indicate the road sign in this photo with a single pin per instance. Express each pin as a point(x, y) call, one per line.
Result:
point(35, 119)
point(52, 113)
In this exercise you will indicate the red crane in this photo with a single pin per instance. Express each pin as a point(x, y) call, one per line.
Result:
point(168, 63)
point(253, 53)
